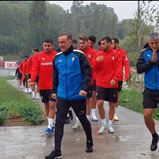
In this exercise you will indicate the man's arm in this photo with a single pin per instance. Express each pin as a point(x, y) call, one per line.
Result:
point(126, 66)
point(86, 71)
point(141, 65)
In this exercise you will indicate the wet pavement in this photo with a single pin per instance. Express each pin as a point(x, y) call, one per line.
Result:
point(131, 139)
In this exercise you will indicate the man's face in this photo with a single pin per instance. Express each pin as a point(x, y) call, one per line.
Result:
point(114, 45)
point(74, 45)
point(100, 47)
point(64, 43)
point(47, 47)
point(83, 44)
point(154, 44)
point(105, 45)
point(91, 43)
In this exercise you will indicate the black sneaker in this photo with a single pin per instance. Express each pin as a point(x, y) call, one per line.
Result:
point(153, 146)
point(67, 121)
point(89, 146)
point(70, 114)
point(54, 155)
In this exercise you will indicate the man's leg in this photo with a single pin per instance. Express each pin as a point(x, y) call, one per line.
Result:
point(111, 116)
point(79, 107)
point(93, 104)
point(61, 115)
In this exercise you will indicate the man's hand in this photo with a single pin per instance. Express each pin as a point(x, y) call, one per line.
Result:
point(100, 58)
point(54, 96)
point(154, 56)
point(82, 93)
point(112, 82)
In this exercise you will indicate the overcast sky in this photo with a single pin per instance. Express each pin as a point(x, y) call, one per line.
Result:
point(123, 9)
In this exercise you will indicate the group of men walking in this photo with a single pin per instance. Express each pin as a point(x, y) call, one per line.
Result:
point(81, 79)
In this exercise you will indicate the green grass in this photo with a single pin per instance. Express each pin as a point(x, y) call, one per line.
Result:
point(132, 99)
point(14, 100)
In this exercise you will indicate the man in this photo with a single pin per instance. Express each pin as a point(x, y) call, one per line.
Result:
point(148, 63)
point(71, 79)
point(107, 64)
point(99, 46)
point(22, 68)
point(126, 67)
point(90, 53)
point(74, 43)
point(43, 66)
point(29, 70)
point(91, 42)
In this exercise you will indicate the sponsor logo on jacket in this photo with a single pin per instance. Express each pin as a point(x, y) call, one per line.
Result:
point(46, 63)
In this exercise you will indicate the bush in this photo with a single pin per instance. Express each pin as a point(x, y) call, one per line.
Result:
point(3, 115)
point(32, 115)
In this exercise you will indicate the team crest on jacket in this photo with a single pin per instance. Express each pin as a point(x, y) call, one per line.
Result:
point(73, 58)
point(89, 55)
point(112, 57)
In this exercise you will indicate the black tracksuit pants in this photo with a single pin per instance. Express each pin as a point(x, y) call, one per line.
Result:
point(79, 107)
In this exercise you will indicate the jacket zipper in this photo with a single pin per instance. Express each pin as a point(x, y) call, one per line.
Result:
point(66, 80)
point(155, 77)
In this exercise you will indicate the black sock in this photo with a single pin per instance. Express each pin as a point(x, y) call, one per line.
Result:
point(58, 150)
point(155, 135)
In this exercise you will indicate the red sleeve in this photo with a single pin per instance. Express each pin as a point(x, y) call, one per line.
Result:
point(127, 66)
point(20, 67)
point(35, 69)
point(95, 64)
point(118, 66)
point(28, 64)
point(24, 68)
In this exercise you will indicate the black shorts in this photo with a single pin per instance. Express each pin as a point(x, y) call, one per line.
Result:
point(19, 75)
point(93, 86)
point(46, 96)
point(150, 98)
point(119, 86)
point(89, 92)
point(37, 79)
point(28, 76)
point(107, 94)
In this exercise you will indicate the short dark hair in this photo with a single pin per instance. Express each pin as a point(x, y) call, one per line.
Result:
point(107, 38)
point(83, 37)
point(115, 40)
point(26, 56)
point(92, 38)
point(99, 43)
point(35, 49)
point(48, 40)
point(69, 36)
point(74, 41)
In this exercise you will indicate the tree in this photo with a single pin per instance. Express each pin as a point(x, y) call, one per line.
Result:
point(38, 24)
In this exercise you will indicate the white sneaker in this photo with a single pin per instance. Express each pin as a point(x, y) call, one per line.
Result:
point(25, 90)
point(37, 96)
point(29, 90)
point(33, 95)
point(76, 126)
point(110, 129)
point(103, 127)
point(94, 118)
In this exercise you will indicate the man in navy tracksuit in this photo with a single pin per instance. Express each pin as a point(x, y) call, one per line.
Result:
point(148, 62)
point(72, 75)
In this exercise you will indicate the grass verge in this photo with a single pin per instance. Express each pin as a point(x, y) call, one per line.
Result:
point(132, 99)
point(16, 103)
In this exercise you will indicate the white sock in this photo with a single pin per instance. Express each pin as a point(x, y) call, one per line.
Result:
point(50, 124)
point(93, 112)
point(104, 121)
point(47, 118)
point(33, 92)
point(88, 116)
point(116, 109)
point(110, 122)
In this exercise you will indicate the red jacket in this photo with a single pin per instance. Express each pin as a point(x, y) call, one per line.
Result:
point(43, 65)
point(109, 68)
point(90, 53)
point(125, 64)
point(30, 64)
point(22, 67)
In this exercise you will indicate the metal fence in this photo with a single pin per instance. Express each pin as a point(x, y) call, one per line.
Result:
point(7, 71)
